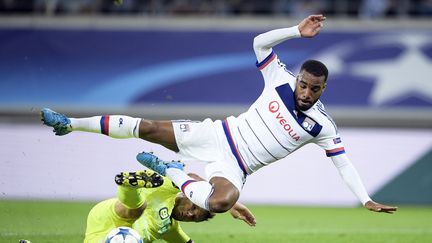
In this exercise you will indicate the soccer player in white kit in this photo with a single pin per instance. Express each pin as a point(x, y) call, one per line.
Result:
point(286, 116)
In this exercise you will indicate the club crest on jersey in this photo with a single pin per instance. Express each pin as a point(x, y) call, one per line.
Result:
point(163, 213)
point(274, 108)
point(308, 124)
point(184, 127)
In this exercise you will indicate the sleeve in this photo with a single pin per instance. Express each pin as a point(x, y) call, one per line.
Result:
point(351, 177)
point(329, 138)
point(263, 43)
point(332, 144)
point(267, 61)
point(176, 234)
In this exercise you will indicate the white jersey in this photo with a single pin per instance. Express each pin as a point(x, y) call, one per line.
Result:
point(270, 130)
point(273, 128)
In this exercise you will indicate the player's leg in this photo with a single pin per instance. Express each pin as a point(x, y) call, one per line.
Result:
point(217, 196)
point(123, 210)
point(160, 132)
point(131, 202)
point(224, 196)
point(139, 179)
point(115, 126)
point(200, 140)
point(101, 219)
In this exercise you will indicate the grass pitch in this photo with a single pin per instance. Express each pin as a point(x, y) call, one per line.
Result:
point(44, 222)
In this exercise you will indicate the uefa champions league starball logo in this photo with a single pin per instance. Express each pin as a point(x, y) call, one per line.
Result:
point(398, 65)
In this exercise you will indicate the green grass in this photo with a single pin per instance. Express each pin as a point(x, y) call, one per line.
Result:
point(44, 222)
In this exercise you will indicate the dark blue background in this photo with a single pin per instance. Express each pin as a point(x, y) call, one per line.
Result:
point(79, 68)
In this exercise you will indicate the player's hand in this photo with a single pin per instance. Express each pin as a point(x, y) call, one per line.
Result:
point(380, 208)
point(310, 26)
point(241, 212)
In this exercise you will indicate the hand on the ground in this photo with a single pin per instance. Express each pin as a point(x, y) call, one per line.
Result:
point(380, 208)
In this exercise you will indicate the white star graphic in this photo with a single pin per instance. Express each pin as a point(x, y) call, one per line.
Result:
point(410, 73)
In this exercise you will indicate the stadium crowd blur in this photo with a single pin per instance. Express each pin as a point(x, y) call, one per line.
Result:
point(292, 8)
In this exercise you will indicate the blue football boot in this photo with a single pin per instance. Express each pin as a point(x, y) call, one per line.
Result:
point(151, 161)
point(59, 122)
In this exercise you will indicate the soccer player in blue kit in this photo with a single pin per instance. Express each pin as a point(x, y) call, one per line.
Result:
point(287, 115)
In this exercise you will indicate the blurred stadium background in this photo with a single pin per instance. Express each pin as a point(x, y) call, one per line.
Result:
point(189, 59)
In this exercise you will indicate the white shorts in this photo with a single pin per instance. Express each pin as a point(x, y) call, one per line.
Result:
point(205, 141)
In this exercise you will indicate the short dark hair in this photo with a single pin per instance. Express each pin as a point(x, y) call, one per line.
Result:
point(315, 68)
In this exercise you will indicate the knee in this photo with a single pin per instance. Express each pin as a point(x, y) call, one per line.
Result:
point(221, 205)
point(224, 197)
point(127, 213)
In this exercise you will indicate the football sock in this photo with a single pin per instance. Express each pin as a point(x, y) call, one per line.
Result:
point(130, 197)
point(197, 191)
point(115, 126)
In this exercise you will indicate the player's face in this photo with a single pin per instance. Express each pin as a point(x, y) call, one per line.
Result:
point(308, 90)
point(186, 211)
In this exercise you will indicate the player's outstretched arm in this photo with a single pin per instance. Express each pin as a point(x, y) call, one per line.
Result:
point(352, 179)
point(380, 208)
point(311, 26)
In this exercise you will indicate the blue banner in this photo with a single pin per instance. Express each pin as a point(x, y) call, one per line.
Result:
point(82, 68)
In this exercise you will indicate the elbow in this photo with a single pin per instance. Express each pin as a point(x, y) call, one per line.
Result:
point(257, 43)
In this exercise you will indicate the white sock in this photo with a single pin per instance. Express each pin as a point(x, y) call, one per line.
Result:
point(197, 191)
point(115, 126)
